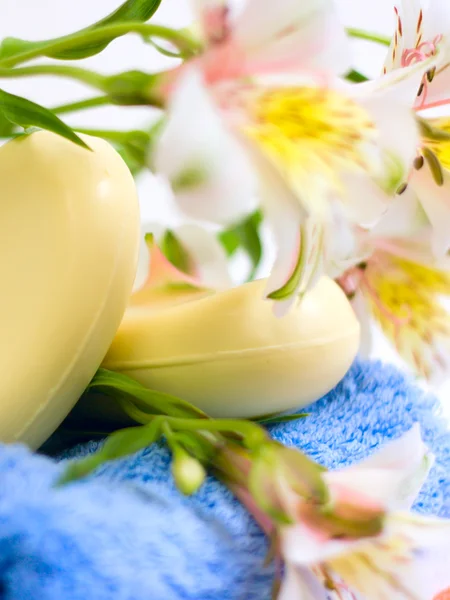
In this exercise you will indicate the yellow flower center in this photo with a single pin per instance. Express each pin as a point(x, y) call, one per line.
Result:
point(310, 134)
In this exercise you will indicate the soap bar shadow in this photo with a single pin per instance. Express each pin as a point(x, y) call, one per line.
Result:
point(94, 417)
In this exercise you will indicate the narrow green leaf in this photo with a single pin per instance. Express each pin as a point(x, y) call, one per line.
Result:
point(281, 419)
point(173, 250)
point(245, 235)
point(6, 127)
point(25, 113)
point(356, 77)
point(291, 284)
point(111, 382)
point(230, 241)
point(119, 444)
point(130, 11)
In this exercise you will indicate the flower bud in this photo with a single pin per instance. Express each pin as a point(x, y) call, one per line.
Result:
point(189, 473)
point(69, 235)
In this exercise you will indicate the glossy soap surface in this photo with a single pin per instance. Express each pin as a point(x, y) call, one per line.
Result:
point(69, 232)
point(228, 354)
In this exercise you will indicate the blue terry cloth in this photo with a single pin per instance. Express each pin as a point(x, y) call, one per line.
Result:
point(127, 534)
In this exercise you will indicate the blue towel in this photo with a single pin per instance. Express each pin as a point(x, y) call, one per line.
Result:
point(127, 534)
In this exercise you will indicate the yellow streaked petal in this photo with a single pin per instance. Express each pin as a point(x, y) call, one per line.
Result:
point(311, 135)
point(405, 299)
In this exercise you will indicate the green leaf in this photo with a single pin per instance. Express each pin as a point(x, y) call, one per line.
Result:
point(25, 113)
point(6, 127)
point(173, 250)
point(245, 235)
point(130, 11)
point(110, 383)
point(356, 77)
point(119, 444)
point(281, 419)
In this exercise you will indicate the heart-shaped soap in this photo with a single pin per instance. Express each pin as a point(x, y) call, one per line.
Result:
point(69, 236)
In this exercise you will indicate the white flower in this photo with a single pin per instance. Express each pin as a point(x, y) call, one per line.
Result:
point(307, 145)
point(423, 32)
point(401, 560)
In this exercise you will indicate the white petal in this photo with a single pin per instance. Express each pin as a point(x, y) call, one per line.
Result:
point(365, 202)
point(142, 267)
point(366, 336)
point(303, 547)
point(346, 245)
point(435, 201)
point(398, 137)
point(438, 92)
point(210, 172)
point(425, 572)
point(403, 218)
point(400, 86)
point(436, 19)
point(284, 221)
point(393, 476)
point(300, 584)
point(207, 254)
point(409, 13)
point(304, 34)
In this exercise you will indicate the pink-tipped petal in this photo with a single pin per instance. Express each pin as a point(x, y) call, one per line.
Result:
point(392, 476)
point(213, 18)
point(291, 34)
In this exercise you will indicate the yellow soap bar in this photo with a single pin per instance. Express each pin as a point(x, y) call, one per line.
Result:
point(69, 235)
point(228, 354)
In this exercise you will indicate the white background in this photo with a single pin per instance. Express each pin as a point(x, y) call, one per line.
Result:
point(41, 19)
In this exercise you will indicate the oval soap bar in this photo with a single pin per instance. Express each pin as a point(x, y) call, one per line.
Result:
point(69, 236)
point(229, 355)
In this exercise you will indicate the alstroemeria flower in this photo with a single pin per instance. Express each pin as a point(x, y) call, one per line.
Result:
point(332, 550)
point(297, 143)
point(422, 32)
point(306, 145)
point(343, 534)
point(401, 287)
point(406, 561)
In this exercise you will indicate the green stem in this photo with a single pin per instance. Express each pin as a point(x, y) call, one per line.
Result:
point(83, 75)
point(253, 434)
point(81, 105)
point(96, 36)
point(108, 134)
point(369, 36)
